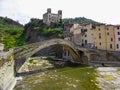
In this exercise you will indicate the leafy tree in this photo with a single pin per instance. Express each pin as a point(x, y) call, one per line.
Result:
point(10, 32)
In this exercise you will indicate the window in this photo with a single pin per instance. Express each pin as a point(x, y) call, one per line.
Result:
point(99, 43)
point(107, 28)
point(111, 39)
point(82, 30)
point(85, 41)
point(99, 29)
point(111, 46)
point(107, 33)
point(85, 30)
point(117, 46)
point(118, 33)
point(99, 37)
point(85, 35)
point(119, 39)
point(117, 27)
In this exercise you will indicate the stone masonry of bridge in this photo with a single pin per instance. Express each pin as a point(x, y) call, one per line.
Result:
point(24, 52)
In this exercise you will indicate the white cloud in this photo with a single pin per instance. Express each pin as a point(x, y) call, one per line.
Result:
point(101, 10)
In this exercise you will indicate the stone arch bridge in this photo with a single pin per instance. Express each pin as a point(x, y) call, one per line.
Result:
point(79, 54)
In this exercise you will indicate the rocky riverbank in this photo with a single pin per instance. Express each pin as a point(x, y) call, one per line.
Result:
point(36, 63)
point(109, 78)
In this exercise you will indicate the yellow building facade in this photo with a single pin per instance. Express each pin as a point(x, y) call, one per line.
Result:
point(110, 38)
point(100, 36)
point(104, 37)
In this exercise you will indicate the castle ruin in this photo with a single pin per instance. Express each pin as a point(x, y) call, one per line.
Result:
point(51, 17)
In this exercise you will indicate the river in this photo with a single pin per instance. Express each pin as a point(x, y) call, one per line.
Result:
point(39, 74)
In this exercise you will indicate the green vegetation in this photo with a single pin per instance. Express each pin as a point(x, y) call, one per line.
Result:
point(51, 31)
point(48, 58)
point(10, 32)
point(21, 40)
point(67, 78)
point(108, 77)
point(118, 71)
point(81, 20)
point(31, 61)
point(80, 78)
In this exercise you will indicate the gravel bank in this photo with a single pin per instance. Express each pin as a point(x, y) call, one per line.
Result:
point(109, 78)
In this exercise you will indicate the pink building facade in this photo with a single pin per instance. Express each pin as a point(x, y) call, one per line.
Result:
point(117, 37)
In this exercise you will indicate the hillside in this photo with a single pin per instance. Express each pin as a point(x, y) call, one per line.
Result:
point(14, 34)
point(10, 32)
point(36, 30)
point(81, 20)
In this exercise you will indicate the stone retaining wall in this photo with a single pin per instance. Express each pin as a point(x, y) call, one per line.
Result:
point(7, 73)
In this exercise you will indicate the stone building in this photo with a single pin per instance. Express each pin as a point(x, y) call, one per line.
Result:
point(51, 17)
point(100, 36)
point(72, 32)
point(110, 37)
point(75, 30)
point(87, 35)
point(117, 37)
point(105, 37)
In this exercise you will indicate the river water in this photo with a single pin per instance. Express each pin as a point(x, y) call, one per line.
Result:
point(39, 74)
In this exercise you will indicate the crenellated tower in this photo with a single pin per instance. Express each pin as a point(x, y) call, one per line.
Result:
point(49, 17)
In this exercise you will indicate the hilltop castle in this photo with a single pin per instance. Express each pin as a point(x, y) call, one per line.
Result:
point(51, 17)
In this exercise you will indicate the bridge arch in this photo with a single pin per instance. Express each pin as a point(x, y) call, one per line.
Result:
point(24, 52)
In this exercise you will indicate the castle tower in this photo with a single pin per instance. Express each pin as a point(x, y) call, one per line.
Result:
point(49, 10)
point(60, 14)
point(49, 17)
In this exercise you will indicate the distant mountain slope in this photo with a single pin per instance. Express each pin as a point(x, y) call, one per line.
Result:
point(81, 20)
point(10, 32)
point(5, 20)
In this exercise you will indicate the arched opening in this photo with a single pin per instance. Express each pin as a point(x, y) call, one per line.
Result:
point(36, 51)
point(53, 51)
point(24, 52)
point(57, 51)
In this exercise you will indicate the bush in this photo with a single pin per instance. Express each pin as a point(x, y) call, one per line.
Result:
point(31, 61)
point(51, 31)
point(48, 58)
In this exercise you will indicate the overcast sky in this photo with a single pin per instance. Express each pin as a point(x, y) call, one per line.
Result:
point(106, 11)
